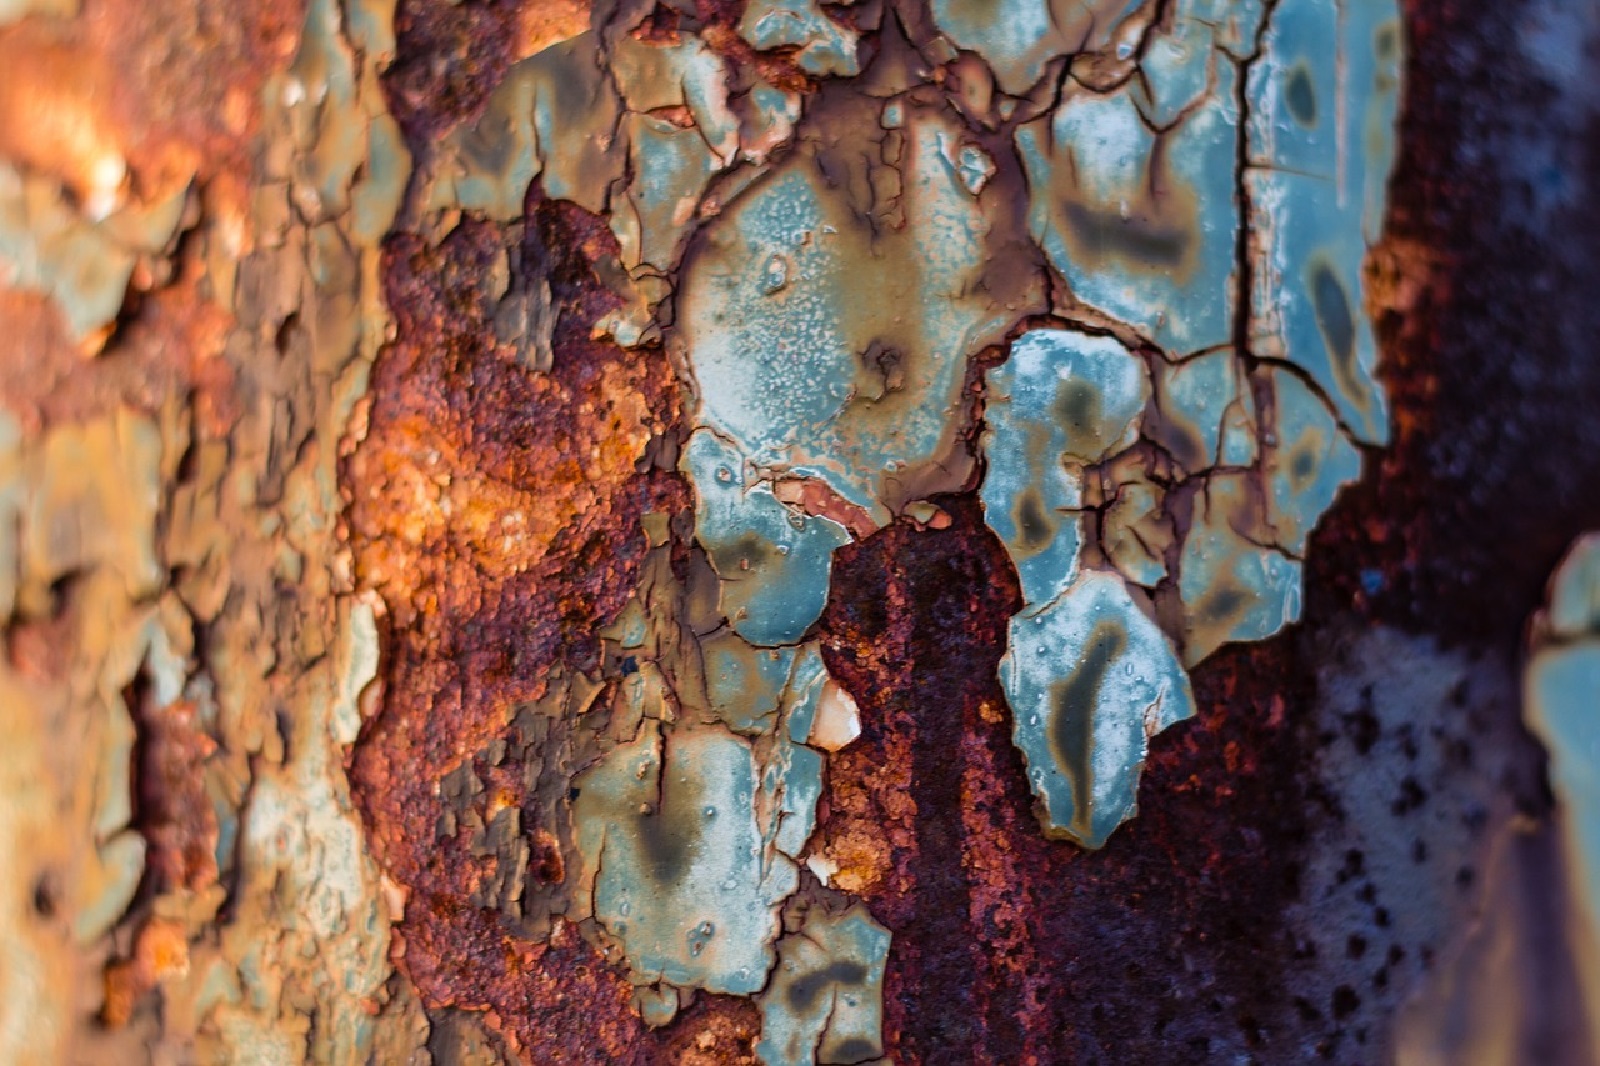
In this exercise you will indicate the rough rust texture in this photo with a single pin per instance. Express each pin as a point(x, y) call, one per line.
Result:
point(498, 511)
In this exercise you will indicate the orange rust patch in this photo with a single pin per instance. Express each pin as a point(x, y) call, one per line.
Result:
point(497, 510)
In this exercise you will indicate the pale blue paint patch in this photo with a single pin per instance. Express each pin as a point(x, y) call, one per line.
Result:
point(1231, 588)
point(1090, 678)
point(822, 46)
point(811, 372)
point(667, 831)
point(825, 1003)
point(1192, 399)
point(1575, 590)
point(1308, 463)
point(791, 784)
point(773, 563)
point(804, 693)
point(1562, 692)
point(1175, 71)
point(744, 682)
point(1317, 192)
point(1061, 397)
point(1018, 38)
point(1164, 264)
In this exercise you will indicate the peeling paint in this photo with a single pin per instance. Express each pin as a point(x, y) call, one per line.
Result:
point(442, 615)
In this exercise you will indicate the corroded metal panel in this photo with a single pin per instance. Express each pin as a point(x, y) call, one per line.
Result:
point(773, 531)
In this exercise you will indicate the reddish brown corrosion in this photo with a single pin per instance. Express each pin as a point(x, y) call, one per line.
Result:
point(175, 814)
point(170, 332)
point(498, 512)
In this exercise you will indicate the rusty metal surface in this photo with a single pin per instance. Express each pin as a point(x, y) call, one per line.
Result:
point(299, 705)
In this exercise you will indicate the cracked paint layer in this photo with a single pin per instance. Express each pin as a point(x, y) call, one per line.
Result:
point(194, 279)
point(819, 272)
point(556, 385)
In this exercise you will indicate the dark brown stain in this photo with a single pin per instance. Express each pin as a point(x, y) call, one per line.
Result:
point(1303, 464)
point(852, 1051)
point(1034, 527)
point(1140, 242)
point(1072, 710)
point(1301, 96)
point(1221, 606)
point(749, 551)
point(803, 993)
point(1335, 318)
point(669, 836)
point(1077, 407)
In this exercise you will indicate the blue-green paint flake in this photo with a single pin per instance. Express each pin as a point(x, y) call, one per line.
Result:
point(772, 562)
point(1316, 192)
point(744, 683)
point(1309, 461)
point(1575, 591)
point(1090, 678)
point(1175, 71)
point(667, 830)
point(825, 1003)
point(1018, 38)
point(1230, 587)
point(1143, 226)
point(1062, 400)
point(821, 45)
point(1561, 697)
point(807, 370)
point(1192, 402)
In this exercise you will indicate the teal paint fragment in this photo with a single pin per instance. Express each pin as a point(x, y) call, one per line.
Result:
point(825, 1002)
point(1562, 696)
point(822, 46)
point(1162, 263)
point(1231, 588)
point(667, 830)
point(744, 682)
point(773, 563)
point(1061, 397)
point(1575, 591)
point(1019, 38)
point(791, 785)
point(1133, 535)
point(801, 698)
point(553, 118)
point(809, 372)
point(671, 168)
point(1192, 401)
point(1308, 463)
point(1090, 678)
point(1316, 191)
point(1176, 71)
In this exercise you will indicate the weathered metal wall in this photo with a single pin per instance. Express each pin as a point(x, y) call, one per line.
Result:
point(344, 531)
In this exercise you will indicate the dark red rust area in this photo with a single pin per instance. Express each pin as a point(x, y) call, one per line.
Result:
point(497, 510)
point(449, 57)
point(1486, 329)
point(175, 814)
point(1013, 948)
